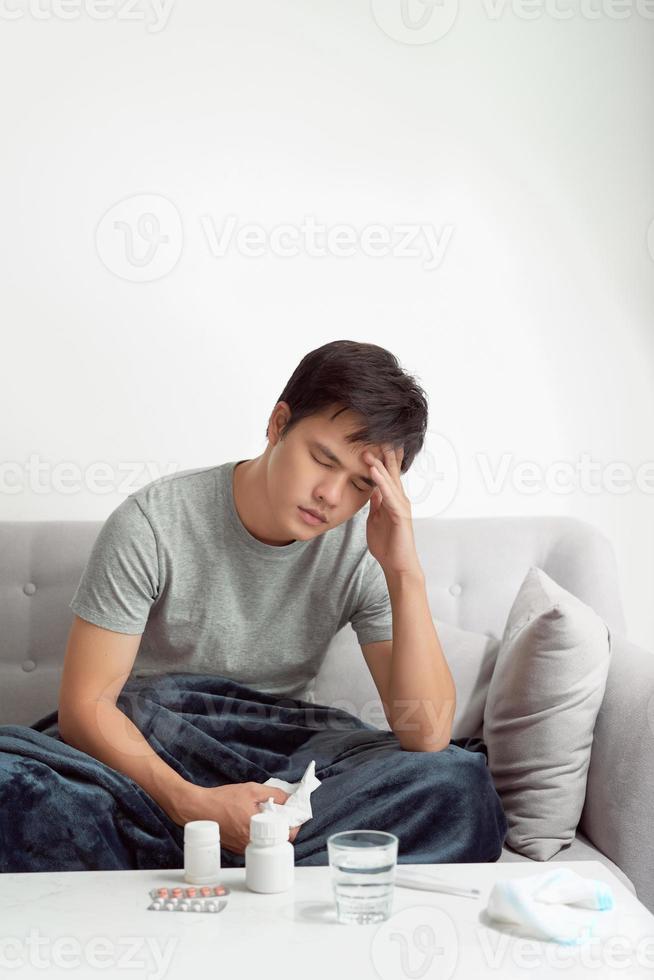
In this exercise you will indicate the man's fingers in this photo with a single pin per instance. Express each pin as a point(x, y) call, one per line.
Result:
point(278, 795)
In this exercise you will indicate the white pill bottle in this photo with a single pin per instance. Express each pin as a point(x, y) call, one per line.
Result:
point(202, 852)
point(269, 857)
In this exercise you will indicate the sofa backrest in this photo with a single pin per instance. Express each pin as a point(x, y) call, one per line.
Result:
point(473, 569)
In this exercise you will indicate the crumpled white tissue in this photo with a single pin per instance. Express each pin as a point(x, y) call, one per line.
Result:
point(297, 808)
point(542, 904)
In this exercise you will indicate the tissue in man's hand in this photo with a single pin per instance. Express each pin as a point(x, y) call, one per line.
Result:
point(543, 904)
point(297, 809)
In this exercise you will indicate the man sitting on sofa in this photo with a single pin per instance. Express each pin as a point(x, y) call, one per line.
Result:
point(247, 570)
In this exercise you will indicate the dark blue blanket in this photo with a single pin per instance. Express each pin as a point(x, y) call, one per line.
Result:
point(63, 810)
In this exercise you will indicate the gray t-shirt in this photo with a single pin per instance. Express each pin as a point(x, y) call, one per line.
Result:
point(175, 562)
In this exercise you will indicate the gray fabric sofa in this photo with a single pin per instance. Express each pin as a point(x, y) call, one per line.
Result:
point(474, 568)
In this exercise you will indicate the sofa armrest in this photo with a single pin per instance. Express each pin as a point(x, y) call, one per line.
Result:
point(617, 813)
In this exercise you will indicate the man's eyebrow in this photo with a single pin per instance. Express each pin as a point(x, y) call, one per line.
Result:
point(330, 455)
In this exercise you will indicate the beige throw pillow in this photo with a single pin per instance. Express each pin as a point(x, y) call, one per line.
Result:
point(544, 696)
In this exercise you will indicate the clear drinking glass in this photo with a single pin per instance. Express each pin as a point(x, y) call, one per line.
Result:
point(363, 873)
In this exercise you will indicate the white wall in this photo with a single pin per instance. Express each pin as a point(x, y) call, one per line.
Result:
point(525, 145)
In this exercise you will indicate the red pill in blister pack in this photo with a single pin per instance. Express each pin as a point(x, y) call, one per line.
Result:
point(176, 899)
point(192, 891)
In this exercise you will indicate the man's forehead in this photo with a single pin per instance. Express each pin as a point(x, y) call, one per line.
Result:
point(334, 431)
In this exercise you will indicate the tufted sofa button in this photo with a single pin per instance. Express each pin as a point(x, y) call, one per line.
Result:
point(29, 665)
point(29, 588)
point(455, 589)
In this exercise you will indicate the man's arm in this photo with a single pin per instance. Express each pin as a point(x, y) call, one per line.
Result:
point(415, 685)
point(97, 664)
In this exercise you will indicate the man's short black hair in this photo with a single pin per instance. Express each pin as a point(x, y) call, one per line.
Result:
point(368, 380)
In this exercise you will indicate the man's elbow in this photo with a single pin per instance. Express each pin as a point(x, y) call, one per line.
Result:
point(422, 745)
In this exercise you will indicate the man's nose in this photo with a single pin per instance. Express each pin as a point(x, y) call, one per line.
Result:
point(330, 491)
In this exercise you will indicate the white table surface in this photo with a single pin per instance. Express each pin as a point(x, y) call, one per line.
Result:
point(86, 924)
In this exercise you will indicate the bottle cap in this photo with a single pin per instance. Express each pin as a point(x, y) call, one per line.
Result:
point(201, 832)
point(269, 825)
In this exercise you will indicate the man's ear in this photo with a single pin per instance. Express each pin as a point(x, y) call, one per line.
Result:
point(279, 416)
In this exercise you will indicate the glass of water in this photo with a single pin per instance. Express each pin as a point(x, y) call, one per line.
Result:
point(363, 872)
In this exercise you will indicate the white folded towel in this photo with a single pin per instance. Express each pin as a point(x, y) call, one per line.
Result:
point(541, 904)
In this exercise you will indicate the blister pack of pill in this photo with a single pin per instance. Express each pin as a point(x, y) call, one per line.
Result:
point(194, 898)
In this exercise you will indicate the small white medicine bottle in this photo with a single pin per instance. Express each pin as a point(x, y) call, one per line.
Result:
point(202, 852)
point(269, 857)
